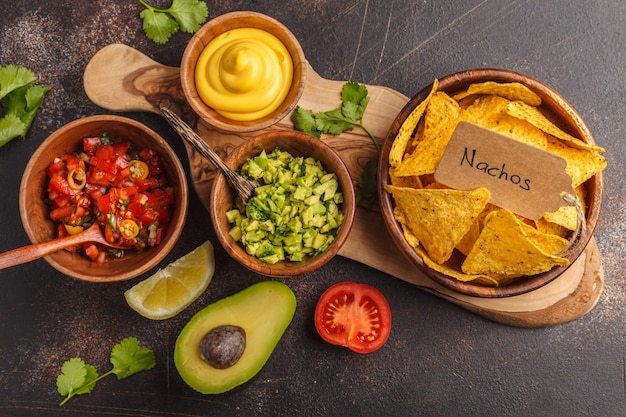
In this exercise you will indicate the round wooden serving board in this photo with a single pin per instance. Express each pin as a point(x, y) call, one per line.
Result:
point(120, 78)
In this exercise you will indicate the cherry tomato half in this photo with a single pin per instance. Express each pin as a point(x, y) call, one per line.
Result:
point(353, 315)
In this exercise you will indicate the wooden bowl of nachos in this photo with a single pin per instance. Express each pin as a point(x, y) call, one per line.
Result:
point(459, 237)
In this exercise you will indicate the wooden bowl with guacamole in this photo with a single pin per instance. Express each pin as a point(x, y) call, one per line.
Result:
point(302, 212)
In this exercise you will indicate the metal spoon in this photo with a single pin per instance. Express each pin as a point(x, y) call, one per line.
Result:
point(243, 187)
point(31, 252)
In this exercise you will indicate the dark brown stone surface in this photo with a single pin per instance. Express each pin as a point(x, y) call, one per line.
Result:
point(440, 359)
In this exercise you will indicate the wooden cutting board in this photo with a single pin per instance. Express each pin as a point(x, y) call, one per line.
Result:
point(120, 78)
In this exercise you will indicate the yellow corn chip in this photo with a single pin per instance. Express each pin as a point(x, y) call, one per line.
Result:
point(410, 237)
point(440, 119)
point(412, 181)
point(401, 141)
point(582, 164)
point(504, 251)
point(466, 244)
point(490, 113)
point(566, 216)
point(536, 118)
point(511, 91)
point(545, 226)
point(438, 218)
point(454, 273)
point(548, 243)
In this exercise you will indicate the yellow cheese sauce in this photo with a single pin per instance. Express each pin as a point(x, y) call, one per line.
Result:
point(244, 74)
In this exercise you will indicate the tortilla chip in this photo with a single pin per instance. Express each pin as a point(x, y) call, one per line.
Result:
point(440, 119)
point(535, 117)
point(548, 243)
point(466, 244)
point(490, 113)
point(582, 164)
point(565, 216)
point(410, 237)
point(454, 273)
point(544, 226)
point(399, 145)
point(511, 91)
point(412, 181)
point(438, 218)
point(503, 251)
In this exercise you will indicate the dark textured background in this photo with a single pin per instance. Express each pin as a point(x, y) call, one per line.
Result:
point(440, 360)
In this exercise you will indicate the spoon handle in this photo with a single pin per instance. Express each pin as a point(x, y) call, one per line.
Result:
point(191, 137)
point(31, 252)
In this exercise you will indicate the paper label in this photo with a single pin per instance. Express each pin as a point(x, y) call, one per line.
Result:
point(522, 178)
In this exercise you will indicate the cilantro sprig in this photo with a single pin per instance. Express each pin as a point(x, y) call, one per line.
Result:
point(127, 358)
point(354, 100)
point(160, 23)
point(20, 101)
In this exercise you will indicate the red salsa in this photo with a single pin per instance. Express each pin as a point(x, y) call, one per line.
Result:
point(120, 186)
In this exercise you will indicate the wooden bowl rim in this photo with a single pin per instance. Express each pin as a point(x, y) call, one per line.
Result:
point(571, 120)
point(219, 25)
point(113, 270)
point(253, 147)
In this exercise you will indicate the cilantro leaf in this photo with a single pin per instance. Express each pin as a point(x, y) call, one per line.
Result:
point(90, 380)
point(158, 26)
point(160, 23)
point(23, 103)
point(354, 101)
point(76, 378)
point(10, 127)
point(13, 77)
point(333, 122)
point(305, 121)
point(190, 14)
point(72, 377)
point(128, 358)
point(355, 98)
point(20, 101)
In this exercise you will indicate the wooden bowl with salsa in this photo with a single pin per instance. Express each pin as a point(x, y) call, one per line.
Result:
point(128, 172)
point(243, 71)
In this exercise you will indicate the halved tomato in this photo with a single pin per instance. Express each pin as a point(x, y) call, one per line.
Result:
point(353, 315)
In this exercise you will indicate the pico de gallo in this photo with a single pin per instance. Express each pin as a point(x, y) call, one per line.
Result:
point(113, 182)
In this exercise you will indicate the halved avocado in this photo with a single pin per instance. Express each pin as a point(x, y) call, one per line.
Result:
point(264, 311)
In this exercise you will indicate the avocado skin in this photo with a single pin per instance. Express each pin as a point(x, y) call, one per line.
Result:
point(264, 310)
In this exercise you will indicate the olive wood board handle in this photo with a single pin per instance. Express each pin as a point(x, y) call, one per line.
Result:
point(120, 78)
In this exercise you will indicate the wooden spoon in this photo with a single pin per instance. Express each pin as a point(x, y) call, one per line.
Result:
point(31, 252)
point(243, 187)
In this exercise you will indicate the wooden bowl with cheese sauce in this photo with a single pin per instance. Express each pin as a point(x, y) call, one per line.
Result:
point(242, 72)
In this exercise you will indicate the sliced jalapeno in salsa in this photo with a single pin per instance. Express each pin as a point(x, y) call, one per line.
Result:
point(77, 179)
point(129, 229)
point(138, 170)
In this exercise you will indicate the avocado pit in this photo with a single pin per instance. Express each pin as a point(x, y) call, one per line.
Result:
point(223, 346)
